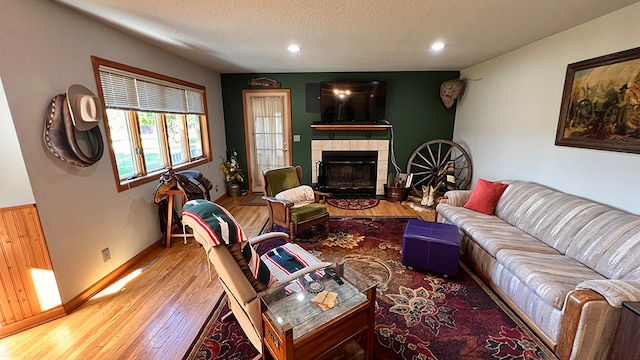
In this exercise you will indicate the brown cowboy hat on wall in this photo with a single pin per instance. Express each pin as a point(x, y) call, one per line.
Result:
point(77, 112)
point(86, 109)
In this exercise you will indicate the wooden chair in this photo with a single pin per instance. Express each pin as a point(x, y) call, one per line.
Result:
point(286, 213)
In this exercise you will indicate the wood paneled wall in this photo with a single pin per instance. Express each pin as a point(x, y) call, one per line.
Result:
point(29, 292)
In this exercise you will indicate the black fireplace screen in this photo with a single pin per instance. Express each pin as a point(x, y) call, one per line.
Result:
point(348, 172)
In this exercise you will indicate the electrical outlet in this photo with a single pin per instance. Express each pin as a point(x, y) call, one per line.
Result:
point(217, 188)
point(106, 255)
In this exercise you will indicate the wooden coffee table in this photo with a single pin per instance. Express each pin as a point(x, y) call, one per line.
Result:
point(295, 328)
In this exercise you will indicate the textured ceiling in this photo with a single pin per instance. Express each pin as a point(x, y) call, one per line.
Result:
point(242, 36)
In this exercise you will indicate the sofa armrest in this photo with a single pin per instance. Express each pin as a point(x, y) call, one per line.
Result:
point(456, 197)
point(575, 306)
point(591, 315)
point(614, 291)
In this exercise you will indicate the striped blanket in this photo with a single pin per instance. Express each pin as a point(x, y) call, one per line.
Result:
point(289, 258)
point(213, 225)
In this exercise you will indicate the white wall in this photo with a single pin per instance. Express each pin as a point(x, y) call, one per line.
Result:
point(16, 188)
point(508, 115)
point(45, 48)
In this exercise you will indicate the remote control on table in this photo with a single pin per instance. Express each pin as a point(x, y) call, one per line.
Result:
point(332, 274)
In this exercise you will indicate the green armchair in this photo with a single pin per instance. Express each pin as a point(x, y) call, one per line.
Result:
point(291, 205)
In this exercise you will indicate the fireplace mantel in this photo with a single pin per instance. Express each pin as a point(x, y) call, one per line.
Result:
point(334, 127)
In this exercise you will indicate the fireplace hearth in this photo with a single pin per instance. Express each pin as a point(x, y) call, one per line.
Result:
point(348, 172)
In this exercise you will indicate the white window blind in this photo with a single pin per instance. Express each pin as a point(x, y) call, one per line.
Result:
point(131, 91)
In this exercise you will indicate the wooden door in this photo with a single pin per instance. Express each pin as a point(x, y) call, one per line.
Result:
point(267, 123)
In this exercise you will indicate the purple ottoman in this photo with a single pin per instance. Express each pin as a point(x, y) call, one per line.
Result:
point(431, 246)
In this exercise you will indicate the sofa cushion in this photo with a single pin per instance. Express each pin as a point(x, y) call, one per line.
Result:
point(308, 212)
point(281, 179)
point(632, 275)
point(550, 276)
point(546, 214)
point(546, 316)
point(615, 291)
point(490, 232)
point(485, 196)
point(610, 244)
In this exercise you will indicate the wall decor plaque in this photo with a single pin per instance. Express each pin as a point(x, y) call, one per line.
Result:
point(264, 82)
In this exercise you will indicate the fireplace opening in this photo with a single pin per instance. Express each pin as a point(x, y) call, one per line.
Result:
point(348, 172)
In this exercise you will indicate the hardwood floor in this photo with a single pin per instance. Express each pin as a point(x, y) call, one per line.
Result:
point(157, 313)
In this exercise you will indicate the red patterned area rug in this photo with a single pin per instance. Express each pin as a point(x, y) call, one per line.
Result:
point(353, 204)
point(419, 315)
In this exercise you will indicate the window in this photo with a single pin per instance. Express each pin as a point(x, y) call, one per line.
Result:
point(153, 122)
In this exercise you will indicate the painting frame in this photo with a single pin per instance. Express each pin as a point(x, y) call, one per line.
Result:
point(600, 106)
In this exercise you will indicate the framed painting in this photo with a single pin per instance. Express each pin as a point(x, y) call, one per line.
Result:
point(601, 103)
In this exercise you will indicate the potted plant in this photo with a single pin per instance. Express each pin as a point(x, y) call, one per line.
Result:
point(232, 173)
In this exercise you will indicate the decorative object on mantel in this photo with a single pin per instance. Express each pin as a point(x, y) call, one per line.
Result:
point(77, 112)
point(600, 103)
point(232, 173)
point(450, 90)
point(264, 82)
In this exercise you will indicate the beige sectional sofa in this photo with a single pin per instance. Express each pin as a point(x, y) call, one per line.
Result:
point(563, 263)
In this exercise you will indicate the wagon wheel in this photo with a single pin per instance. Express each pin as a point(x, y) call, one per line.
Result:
point(430, 161)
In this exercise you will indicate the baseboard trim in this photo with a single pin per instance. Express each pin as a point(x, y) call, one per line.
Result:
point(32, 321)
point(103, 283)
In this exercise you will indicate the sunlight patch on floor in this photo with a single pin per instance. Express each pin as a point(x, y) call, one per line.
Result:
point(120, 285)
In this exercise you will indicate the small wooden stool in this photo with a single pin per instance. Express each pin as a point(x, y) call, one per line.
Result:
point(183, 198)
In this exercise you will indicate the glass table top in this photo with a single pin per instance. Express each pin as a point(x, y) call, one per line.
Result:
point(292, 302)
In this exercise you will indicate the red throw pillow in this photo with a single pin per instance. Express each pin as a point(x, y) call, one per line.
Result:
point(485, 196)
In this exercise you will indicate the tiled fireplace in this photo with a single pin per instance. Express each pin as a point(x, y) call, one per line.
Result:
point(380, 146)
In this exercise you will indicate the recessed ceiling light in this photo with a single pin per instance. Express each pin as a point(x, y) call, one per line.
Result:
point(437, 46)
point(293, 48)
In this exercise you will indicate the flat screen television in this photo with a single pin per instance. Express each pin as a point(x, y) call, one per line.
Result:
point(353, 101)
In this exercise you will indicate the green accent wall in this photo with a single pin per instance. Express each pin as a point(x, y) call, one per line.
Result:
point(414, 109)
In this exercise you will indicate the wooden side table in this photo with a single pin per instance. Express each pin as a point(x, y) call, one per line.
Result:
point(625, 344)
point(327, 336)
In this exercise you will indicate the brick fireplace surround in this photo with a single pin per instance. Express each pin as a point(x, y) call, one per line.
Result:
point(381, 146)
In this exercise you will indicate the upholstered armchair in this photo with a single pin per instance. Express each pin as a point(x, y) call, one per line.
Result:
point(292, 205)
point(244, 275)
